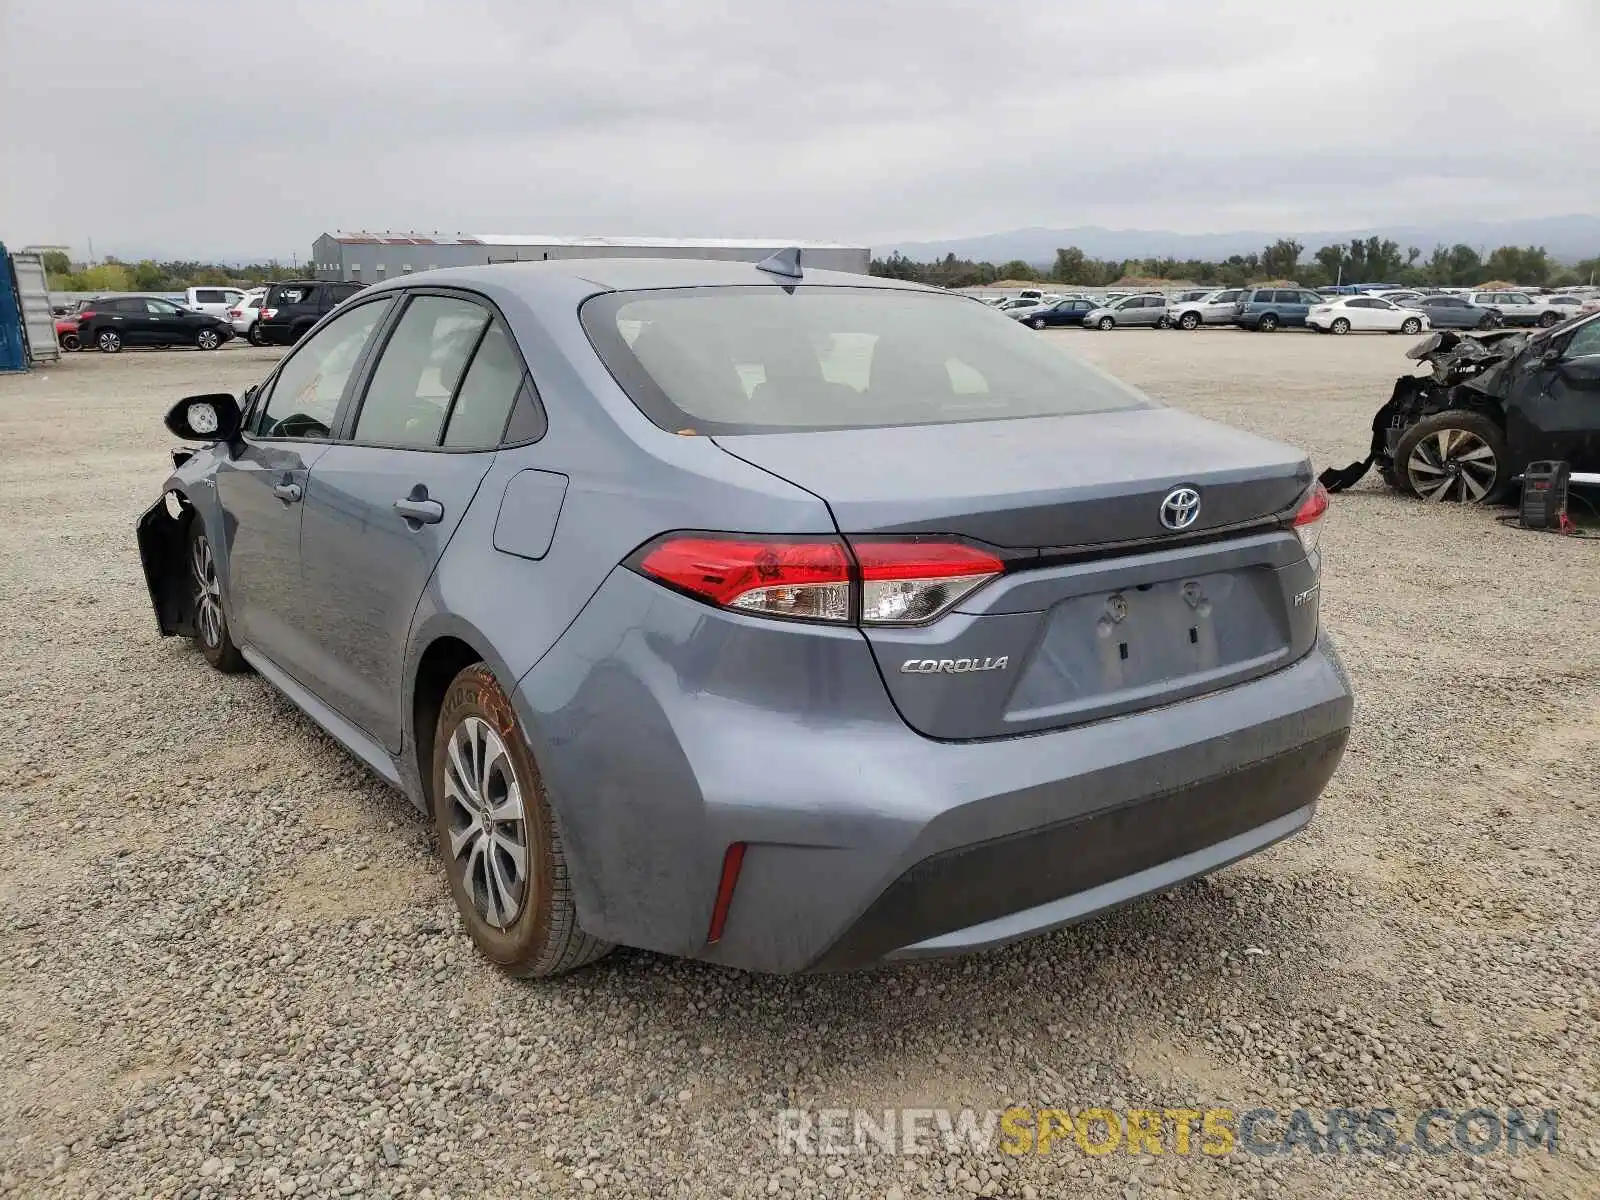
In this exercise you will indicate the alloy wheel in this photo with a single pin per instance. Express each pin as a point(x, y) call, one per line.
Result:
point(487, 822)
point(208, 339)
point(1452, 464)
point(208, 593)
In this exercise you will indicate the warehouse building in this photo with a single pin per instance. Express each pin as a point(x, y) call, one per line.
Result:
point(374, 257)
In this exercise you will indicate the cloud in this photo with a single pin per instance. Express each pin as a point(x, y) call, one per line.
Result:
point(240, 131)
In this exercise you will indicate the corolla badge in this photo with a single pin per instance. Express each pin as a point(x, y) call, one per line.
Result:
point(953, 666)
point(1181, 508)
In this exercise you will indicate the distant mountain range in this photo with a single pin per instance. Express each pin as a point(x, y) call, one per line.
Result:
point(1568, 239)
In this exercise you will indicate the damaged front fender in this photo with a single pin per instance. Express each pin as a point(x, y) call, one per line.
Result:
point(163, 534)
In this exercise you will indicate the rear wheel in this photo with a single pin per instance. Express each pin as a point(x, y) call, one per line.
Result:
point(109, 341)
point(1341, 325)
point(502, 850)
point(1189, 320)
point(1456, 456)
point(1268, 323)
point(1106, 324)
point(255, 335)
point(1411, 325)
point(208, 339)
point(210, 621)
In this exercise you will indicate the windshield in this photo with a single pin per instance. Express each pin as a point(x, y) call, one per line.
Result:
point(768, 359)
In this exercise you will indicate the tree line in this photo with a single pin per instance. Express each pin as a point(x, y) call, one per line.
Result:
point(1361, 260)
point(113, 275)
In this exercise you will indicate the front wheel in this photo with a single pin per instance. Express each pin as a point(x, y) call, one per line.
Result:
point(1189, 320)
point(1492, 320)
point(1454, 455)
point(1036, 323)
point(501, 847)
point(1546, 320)
point(209, 620)
point(1411, 326)
point(208, 339)
point(1341, 326)
point(1268, 323)
point(109, 341)
point(1105, 324)
point(69, 341)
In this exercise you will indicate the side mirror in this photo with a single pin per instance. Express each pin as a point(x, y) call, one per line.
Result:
point(1581, 372)
point(210, 418)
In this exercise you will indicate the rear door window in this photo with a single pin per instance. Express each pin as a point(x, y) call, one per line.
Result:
point(489, 389)
point(412, 385)
point(306, 392)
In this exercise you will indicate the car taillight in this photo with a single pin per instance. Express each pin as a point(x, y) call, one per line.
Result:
point(1307, 520)
point(905, 583)
point(808, 580)
point(86, 314)
point(268, 313)
point(820, 579)
point(234, 312)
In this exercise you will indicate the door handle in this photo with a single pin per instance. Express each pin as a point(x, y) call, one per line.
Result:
point(420, 511)
point(287, 492)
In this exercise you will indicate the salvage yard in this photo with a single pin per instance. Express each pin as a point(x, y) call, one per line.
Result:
point(229, 964)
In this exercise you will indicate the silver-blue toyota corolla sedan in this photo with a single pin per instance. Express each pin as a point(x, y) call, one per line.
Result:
point(772, 617)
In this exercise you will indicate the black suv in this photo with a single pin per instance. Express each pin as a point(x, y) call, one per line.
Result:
point(118, 321)
point(295, 305)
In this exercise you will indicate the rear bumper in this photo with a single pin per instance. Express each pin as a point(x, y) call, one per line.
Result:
point(667, 731)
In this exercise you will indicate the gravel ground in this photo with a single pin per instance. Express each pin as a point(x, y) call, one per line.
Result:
point(229, 966)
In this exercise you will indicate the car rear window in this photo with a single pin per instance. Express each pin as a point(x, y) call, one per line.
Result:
point(772, 359)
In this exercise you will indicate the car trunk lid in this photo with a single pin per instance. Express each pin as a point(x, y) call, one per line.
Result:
point(1105, 609)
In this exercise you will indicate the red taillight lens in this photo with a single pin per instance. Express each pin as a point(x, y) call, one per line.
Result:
point(268, 313)
point(905, 583)
point(809, 580)
point(901, 583)
point(86, 314)
point(732, 861)
point(1308, 517)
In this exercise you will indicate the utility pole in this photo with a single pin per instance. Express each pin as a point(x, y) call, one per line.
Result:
point(91, 252)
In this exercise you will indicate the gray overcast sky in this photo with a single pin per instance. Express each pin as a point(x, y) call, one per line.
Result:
point(241, 129)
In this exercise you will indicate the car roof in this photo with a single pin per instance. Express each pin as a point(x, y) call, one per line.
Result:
point(629, 274)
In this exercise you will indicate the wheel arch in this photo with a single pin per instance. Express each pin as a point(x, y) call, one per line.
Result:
point(441, 647)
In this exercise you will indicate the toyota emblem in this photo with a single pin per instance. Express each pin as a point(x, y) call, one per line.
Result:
point(1181, 508)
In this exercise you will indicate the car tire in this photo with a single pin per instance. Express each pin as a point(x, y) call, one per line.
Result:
point(1340, 326)
point(1105, 324)
point(1036, 323)
point(1189, 321)
point(109, 341)
point(1268, 323)
point(490, 809)
point(1494, 320)
point(69, 341)
point(210, 619)
point(298, 332)
point(1411, 326)
point(1471, 443)
point(208, 339)
point(1546, 320)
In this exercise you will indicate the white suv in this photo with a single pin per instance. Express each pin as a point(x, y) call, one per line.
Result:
point(1212, 308)
point(213, 301)
point(1519, 308)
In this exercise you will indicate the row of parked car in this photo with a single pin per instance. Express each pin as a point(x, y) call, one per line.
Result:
point(1269, 308)
point(205, 317)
